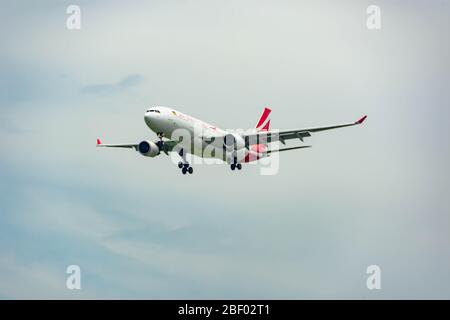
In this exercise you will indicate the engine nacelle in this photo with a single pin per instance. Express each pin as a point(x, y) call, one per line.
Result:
point(148, 149)
point(233, 141)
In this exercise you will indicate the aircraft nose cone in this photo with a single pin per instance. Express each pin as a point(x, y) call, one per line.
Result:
point(147, 118)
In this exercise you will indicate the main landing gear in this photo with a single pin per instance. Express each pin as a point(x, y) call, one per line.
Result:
point(184, 165)
point(235, 165)
point(185, 168)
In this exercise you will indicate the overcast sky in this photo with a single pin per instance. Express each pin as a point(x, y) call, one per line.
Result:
point(374, 194)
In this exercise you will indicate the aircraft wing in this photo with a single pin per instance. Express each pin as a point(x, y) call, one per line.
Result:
point(131, 145)
point(165, 147)
point(275, 135)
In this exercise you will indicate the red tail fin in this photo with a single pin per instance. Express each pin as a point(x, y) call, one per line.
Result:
point(264, 122)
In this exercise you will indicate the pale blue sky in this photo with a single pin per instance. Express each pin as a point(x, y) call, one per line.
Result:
point(376, 194)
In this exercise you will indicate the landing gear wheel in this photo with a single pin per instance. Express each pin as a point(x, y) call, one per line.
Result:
point(233, 166)
point(239, 166)
point(190, 170)
point(180, 164)
point(184, 170)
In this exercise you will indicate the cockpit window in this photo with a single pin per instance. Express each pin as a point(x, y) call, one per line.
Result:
point(152, 110)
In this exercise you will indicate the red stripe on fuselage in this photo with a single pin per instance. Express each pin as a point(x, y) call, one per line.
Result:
point(256, 152)
point(258, 148)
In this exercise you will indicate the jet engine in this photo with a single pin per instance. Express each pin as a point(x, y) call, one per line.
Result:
point(148, 149)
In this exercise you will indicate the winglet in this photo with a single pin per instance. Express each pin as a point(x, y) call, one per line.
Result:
point(98, 142)
point(361, 120)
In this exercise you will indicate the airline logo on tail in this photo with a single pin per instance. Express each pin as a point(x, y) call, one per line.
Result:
point(264, 121)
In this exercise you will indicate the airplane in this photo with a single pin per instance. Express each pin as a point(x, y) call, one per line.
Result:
point(212, 142)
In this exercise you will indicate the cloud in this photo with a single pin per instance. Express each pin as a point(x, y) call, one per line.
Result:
point(126, 83)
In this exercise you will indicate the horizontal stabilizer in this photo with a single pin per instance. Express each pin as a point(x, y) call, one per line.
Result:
point(286, 149)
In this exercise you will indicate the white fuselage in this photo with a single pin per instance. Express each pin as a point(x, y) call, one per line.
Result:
point(171, 124)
